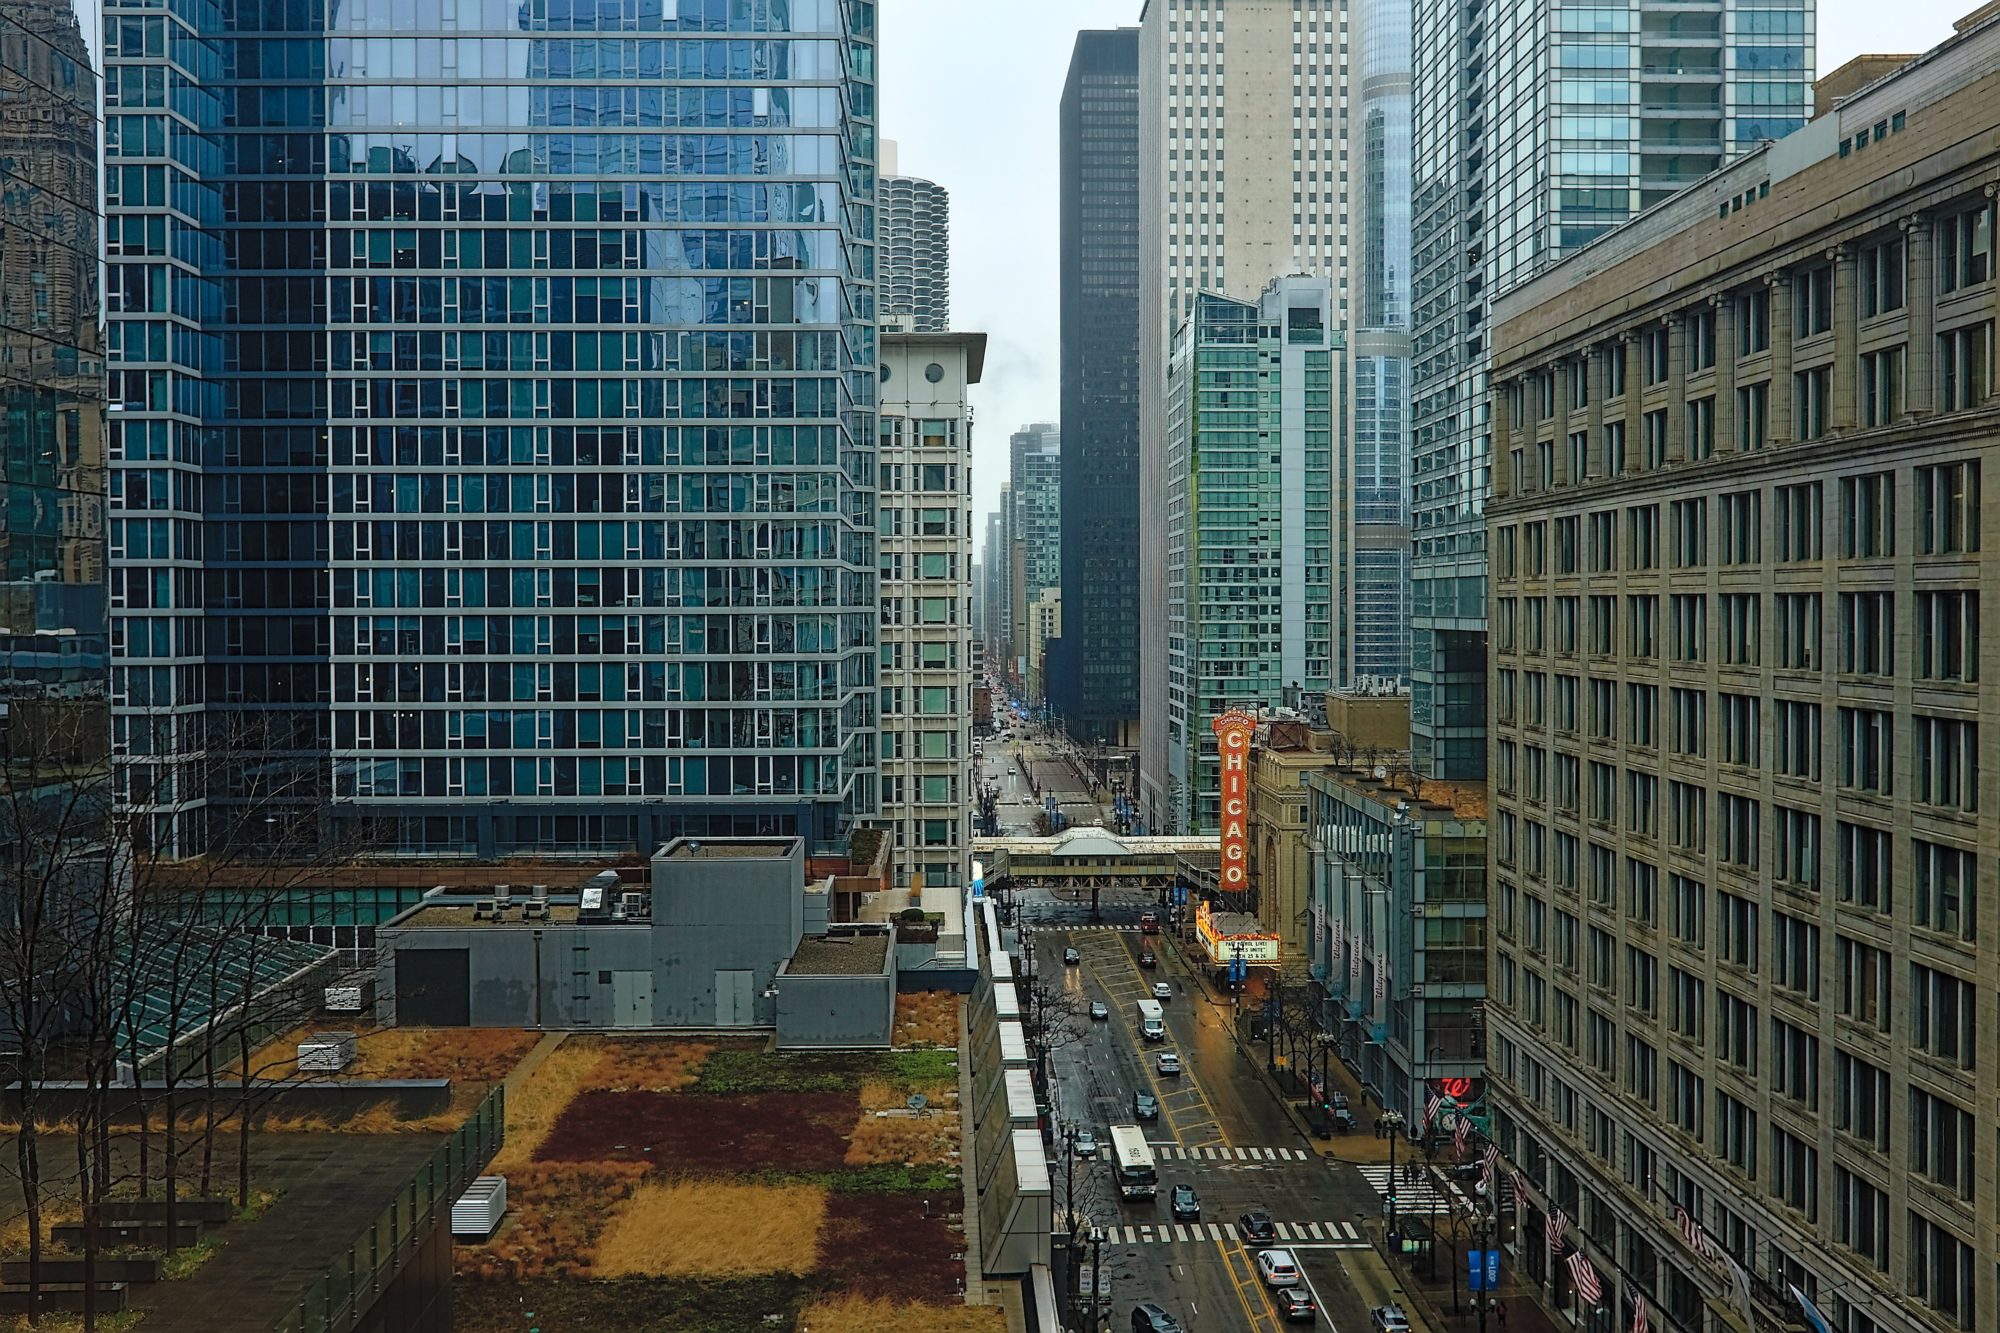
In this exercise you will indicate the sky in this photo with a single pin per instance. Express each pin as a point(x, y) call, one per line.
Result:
point(970, 91)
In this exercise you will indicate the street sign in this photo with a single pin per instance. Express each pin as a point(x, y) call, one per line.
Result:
point(1493, 1270)
point(1484, 1266)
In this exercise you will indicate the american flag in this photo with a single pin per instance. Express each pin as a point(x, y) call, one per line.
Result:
point(1489, 1165)
point(1520, 1191)
point(1558, 1227)
point(1460, 1134)
point(1696, 1238)
point(1431, 1109)
point(1588, 1288)
point(1642, 1321)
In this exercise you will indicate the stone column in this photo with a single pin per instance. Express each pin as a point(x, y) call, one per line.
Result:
point(1845, 409)
point(1635, 412)
point(1503, 431)
point(1600, 382)
point(1992, 193)
point(1781, 357)
point(1920, 297)
point(1677, 357)
point(1725, 374)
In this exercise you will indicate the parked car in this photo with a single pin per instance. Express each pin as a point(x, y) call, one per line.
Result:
point(1147, 958)
point(1277, 1268)
point(1340, 1101)
point(1145, 1106)
point(1185, 1204)
point(1072, 957)
point(1086, 1143)
point(1168, 1063)
point(1343, 1119)
point(1099, 1011)
point(1389, 1319)
point(1256, 1225)
point(1150, 1318)
point(1162, 991)
point(1296, 1305)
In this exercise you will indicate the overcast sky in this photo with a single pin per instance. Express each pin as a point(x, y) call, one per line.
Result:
point(970, 91)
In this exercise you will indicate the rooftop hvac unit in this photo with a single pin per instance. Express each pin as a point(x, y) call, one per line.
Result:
point(479, 1210)
point(635, 904)
point(351, 998)
point(326, 1052)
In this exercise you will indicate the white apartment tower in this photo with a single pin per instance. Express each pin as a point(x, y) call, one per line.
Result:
point(925, 557)
point(1243, 177)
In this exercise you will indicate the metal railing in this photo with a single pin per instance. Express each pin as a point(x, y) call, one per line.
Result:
point(354, 1281)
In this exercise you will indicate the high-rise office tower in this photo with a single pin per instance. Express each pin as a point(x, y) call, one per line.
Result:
point(53, 649)
point(912, 249)
point(1243, 176)
point(1744, 701)
point(1253, 406)
point(515, 364)
point(1375, 584)
point(1093, 666)
point(925, 468)
point(994, 565)
point(1535, 128)
point(1035, 484)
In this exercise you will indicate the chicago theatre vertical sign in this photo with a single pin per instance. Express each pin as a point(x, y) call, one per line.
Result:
point(1232, 742)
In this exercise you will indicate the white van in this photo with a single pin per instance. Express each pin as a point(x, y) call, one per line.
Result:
point(1152, 1021)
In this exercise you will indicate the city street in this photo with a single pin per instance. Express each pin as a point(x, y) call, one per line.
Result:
point(1220, 1130)
point(1002, 767)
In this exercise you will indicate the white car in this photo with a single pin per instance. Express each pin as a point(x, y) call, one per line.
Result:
point(1162, 991)
point(1168, 1063)
point(1086, 1143)
point(1277, 1268)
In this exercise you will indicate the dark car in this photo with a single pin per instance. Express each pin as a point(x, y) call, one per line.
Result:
point(1145, 1106)
point(1185, 1204)
point(1256, 1225)
point(1148, 959)
point(1072, 956)
point(1150, 1318)
point(1465, 1171)
point(1343, 1120)
point(1296, 1305)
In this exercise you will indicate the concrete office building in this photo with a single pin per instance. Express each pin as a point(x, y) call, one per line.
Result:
point(995, 566)
point(530, 432)
point(924, 473)
point(1243, 175)
point(1744, 724)
point(913, 249)
point(1535, 128)
point(1034, 456)
point(1253, 405)
point(1093, 669)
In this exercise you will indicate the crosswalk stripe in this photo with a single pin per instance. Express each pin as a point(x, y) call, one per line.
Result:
point(1347, 1229)
point(1284, 1231)
point(1312, 1229)
point(1215, 1231)
point(1180, 1232)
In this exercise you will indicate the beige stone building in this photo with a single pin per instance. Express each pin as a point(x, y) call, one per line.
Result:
point(1280, 754)
point(1745, 728)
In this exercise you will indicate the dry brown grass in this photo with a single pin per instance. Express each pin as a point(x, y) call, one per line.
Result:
point(463, 1055)
point(891, 1140)
point(926, 1018)
point(645, 1064)
point(381, 1118)
point(534, 1104)
point(712, 1228)
point(556, 1213)
point(860, 1314)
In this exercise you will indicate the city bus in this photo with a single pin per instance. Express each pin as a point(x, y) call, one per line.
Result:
point(1132, 1161)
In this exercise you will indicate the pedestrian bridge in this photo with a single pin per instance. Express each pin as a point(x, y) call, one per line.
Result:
point(1086, 858)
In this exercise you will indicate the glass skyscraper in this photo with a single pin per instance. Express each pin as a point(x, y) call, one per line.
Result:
point(497, 389)
point(1536, 128)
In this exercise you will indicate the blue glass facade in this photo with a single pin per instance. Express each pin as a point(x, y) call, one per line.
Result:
point(536, 495)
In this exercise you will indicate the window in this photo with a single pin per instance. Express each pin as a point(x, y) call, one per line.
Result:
point(1965, 248)
point(1741, 738)
point(1566, 544)
point(1943, 1015)
point(1736, 1031)
point(1943, 884)
point(1812, 301)
point(1941, 1138)
point(1653, 440)
point(1864, 866)
point(1864, 983)
point(1736, 927)
point(1868, 516)
point(1965, 365)
point(1738, 818)
point(1812, 402)
point(1687, 722)
point(1861, 1099)
point(1867, 633)
point(1642, 524)
point(1690, 627)
point(1687, 1099)
point(1642, 897)
point(1566, 630)
point(1642, 624)
point(1798, 521)
point(1654, 359)
point(1881, 386)
point(1642, 714)
point(1614, 370)
point(1795, 738)
point(1797, 847)
point(1603, 543)
point(1795, 954)
point(1603, 792)
point(1795, 1172)
point(1642, 803)
point(1795, 620)
point(1880, 269)
point(1688, 809)
point(1753, 416)
point(1602, 615)
point(1741, 517)
point(1942, 1270)
point(1738, 613)
point(1614, 448)
point(1701, 428)
point(1701, 340)
point(1794, 1063)
point(1642, 1071)
point(1690, 533)
point(1753, 321)
point(1948, 508)
point(1947, 762)
point(1861, 1217)
point(1690, 910)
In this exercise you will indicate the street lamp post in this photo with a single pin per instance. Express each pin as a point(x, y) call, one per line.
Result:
point(1393, 1122)
point(1096, 1277)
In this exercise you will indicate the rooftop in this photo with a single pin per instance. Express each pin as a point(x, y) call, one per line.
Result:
point(840, 955)
point(1462, 800)
point(457, 915)
point(724, 849)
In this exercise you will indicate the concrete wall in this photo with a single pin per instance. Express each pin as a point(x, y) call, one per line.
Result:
point(502, 965)
point(836, 1011)
point(714, 914)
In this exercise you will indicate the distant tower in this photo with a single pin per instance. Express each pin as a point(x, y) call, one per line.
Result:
point(915, 249)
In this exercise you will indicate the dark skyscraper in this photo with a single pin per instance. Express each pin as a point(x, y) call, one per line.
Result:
point(1093, 669)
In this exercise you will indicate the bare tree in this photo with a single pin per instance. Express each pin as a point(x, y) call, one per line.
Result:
point(1052, 1018)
